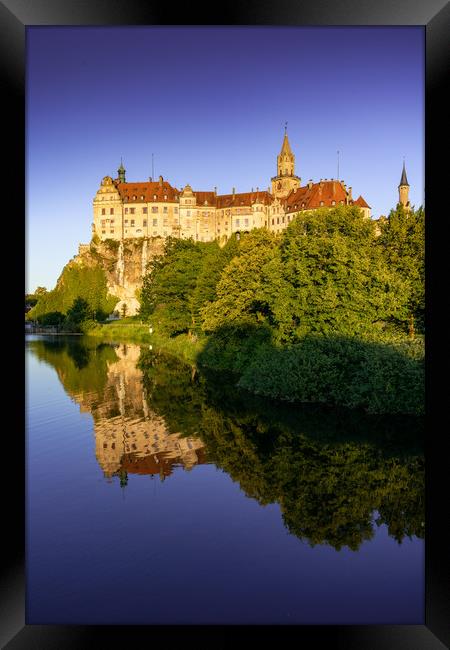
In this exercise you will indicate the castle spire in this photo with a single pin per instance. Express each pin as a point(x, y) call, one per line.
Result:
point(403, 189)
point(286, 147)
point(121, 172)
point(403, 180)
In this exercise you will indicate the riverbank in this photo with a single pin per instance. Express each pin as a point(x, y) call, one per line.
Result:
point(381, 377)
point(131, 331)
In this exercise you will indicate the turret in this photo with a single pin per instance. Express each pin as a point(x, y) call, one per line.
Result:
point(121, 172)
point(286, 181)
point(403, 189)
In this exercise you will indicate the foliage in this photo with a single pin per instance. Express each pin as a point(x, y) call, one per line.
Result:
point(402, 241)
point(52, 319)
point(329, 471)
point(169, 285)
point(325, 275)
point(77, 282)
point(112, 244)
point(240, 287)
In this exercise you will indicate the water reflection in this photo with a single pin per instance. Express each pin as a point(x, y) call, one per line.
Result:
point(337, 475)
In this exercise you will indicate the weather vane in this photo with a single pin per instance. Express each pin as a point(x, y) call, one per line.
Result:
point(285, 127)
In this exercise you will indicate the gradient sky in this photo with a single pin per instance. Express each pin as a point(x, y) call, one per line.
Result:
point(210, 103)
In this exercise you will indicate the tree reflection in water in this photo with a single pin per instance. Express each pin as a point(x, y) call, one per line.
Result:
point(336, 474)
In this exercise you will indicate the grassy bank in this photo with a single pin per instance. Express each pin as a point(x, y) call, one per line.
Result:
point(129, 330)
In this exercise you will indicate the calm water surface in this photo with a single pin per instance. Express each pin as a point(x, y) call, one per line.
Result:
point(157, 494)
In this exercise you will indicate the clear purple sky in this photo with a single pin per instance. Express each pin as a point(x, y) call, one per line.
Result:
point(210, 103)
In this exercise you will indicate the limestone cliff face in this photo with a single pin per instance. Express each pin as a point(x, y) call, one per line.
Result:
point(124, 264)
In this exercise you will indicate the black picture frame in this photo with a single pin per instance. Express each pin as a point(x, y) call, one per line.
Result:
point(15, 16)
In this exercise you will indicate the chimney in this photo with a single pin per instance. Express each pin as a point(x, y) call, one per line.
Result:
point(161, 181)
point(234, 191)
point(310, 183)
point(350, 193)
point(215, 190)
point(150, 179)
point(257, 189)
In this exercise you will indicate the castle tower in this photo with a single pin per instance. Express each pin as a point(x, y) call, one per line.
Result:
point(121, 172)
point(403, 190)
point(286, 180)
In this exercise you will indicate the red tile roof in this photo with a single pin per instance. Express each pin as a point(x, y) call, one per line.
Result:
point(148, 191)
point(308, 198)
point(205, 196)
point(360, 202)
point(243, 199)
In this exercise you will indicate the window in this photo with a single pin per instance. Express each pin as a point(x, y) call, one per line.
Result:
point(154, 233)
point(138, 230)
point(103, 211)
point(132, 210)
point(154, 208)
point(112, 220)
point(103, 222)
point(144, 223)
point(278, 219)
point(144, 210)
point(246, 222)
point(282, 219)
point(237, 223)
point(111, 232)
point(154, 196)
point(126, 210)
point(165, 208)
point(132, 222)
point(155, 222)
point(333, 202)
point(175, 210)
point(165, 197)
point(111, 211)
point(273, 222)
point(103, 232)
point(188, 213)
point(134, 197)
point(126, 220)
point(142, 197)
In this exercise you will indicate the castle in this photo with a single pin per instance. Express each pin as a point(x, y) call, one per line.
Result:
point(157, 209)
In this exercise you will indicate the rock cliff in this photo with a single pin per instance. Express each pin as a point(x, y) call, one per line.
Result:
point(124, 264)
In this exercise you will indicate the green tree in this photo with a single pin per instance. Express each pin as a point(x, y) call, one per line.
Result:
point(240, 288)
point(402, 240)
point(169, 285)
point(77, 281)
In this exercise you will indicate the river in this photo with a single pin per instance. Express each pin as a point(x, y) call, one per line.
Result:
point(160, 494)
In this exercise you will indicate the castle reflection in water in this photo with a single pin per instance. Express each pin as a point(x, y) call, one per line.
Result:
point(129, 437)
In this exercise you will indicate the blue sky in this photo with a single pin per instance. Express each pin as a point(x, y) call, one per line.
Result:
point(211, 103)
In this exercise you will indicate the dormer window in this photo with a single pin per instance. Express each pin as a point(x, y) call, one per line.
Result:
point(321, 203)
point(154, 197)
point(333, 202)
point(165, 197)
point(142, 197)
point(134, 197)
